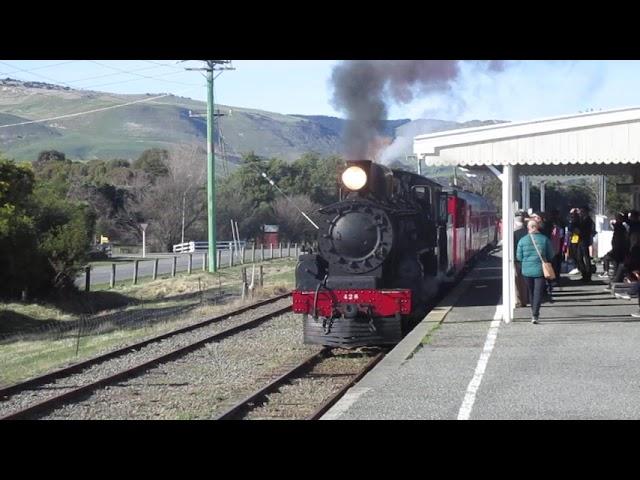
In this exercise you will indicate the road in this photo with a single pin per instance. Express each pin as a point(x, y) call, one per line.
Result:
point(101, 274)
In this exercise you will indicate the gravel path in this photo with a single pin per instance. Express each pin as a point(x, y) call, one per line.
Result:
point(110, 367)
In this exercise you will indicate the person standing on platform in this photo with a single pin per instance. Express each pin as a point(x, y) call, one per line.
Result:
point(532, 250)
point(573, 238)
point(632, 266)
point(634, 222)
point(557, 240)
point(583, 258)
point(619, 245)
point(520, 230)
point(545, 227)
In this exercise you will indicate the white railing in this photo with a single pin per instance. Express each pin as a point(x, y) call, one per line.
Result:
point(190, 247)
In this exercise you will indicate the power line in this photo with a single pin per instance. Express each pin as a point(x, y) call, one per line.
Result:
point(109, 75)
point(163, 64)
point(274, 184)
point(86, 112)
point(79, 79)
point(87, 87)
point(145, 76)
point(31, 73)
point(37, 68)
point(58, 82)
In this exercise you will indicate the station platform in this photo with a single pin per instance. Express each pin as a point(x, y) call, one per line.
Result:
point(582, 361)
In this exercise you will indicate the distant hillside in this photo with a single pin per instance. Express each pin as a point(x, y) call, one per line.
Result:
point(166, 122)
point(337, 125)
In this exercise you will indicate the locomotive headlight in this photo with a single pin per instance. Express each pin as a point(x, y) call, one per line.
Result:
point(354, 178)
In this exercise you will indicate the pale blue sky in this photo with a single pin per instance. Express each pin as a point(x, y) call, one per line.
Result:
point(524, 90)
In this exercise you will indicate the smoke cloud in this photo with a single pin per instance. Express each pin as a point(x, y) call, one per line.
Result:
point(363, 90)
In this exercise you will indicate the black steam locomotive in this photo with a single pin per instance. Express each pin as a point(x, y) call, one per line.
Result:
point(384, 251)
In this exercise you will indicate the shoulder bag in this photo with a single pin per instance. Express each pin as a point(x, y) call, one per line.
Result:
point(547, 268)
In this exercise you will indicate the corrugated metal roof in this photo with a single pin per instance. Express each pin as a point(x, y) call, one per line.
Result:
point(583, 144)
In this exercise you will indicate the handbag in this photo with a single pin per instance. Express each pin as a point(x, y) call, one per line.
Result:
point(547, 267)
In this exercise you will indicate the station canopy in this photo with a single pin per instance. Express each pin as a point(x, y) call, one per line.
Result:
point(593, 143)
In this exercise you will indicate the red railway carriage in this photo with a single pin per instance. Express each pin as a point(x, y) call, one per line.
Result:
point(471, 226)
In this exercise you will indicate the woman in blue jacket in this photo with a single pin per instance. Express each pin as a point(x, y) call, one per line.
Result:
point(532, 265)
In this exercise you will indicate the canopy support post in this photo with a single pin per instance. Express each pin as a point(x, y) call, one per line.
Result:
point(508, 271)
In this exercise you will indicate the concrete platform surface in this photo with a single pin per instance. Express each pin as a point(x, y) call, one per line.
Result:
point(582, 361)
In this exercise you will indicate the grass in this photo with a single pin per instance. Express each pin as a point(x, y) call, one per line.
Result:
point(277, 270)
point(23, 359)
point(162, 292)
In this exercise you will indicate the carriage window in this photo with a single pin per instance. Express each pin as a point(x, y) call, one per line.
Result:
point(461, 213)
point(423, 194)
point(444, 210)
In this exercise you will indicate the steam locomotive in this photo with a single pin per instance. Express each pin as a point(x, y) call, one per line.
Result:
point(384, 252)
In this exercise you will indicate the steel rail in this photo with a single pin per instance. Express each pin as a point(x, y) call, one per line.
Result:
point(245, 404)
point(53, 402)
point(336, 396)
point(77, 367)
point(273, 385)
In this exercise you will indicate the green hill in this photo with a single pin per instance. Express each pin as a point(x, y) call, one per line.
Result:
point(125, 132)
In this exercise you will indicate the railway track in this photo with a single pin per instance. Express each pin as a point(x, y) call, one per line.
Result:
point(41, 386)
point(307, 389)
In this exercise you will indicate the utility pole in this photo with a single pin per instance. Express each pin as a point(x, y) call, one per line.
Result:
point(212, 65)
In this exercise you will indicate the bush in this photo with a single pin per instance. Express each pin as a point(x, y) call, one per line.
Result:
point(44, 238)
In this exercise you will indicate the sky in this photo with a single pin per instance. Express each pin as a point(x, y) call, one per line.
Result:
point(523, 90)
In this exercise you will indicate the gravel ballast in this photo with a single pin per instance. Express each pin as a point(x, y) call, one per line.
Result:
point(110, 367)
point(202, 383)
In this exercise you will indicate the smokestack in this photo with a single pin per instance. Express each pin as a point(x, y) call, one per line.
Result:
point(364, 88)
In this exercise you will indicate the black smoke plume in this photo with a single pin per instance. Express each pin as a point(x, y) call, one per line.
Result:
point(364, 88)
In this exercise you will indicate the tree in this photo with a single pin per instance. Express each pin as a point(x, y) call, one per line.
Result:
point(65, 232)
point(180, 191)
point(44, 237)
point(293, 226)
point(234, 204)
point(154, 161)
point(18, 259)
point(317, 177)
point(616, 200)
point(51, 156)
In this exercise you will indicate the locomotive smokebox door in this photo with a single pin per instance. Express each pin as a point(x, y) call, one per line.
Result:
point(358, 238)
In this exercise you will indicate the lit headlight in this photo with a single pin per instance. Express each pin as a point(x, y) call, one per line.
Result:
point(354, 178)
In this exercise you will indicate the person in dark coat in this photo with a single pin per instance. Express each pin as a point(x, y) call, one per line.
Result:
point(586, 229)
point(527, 253)
point(556, 236)
point(634, 222)
point(619, 245)
point(630, 263)
point(573, 235)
